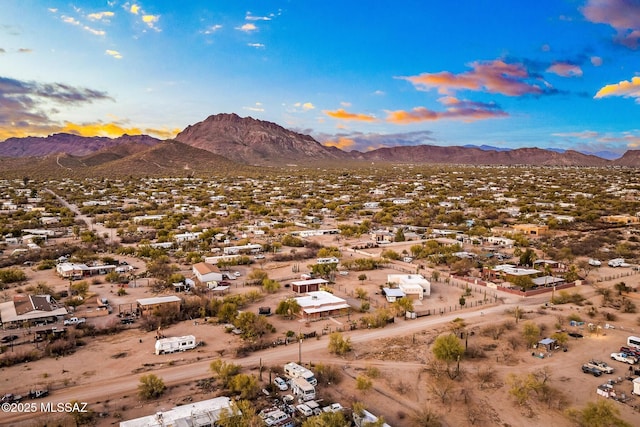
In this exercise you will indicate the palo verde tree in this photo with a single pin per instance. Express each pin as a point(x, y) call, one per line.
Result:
point(151, 387)
point(338, 344)
point(449, 349)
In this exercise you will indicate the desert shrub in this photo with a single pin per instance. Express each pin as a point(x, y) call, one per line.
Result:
point(574, 317)
point(611, 317)
point(61, 347)
point(20, 356)
point(151, 387)
point(475, 352)
point(328, 374)
point(564, 297)
point(627, 306)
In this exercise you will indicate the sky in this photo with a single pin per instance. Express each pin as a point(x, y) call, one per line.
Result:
point(358, 75)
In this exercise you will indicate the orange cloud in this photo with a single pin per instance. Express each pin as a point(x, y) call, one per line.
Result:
point(489, 76)
point(342, 114)
point(627, 89)
point(466, 111)
point(114, 130)
point(342, 143)
point(565, 69)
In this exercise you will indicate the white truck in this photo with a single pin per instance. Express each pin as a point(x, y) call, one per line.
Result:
point(293, 370)
point(301, 388)
point(173, 344)
point(600, 365)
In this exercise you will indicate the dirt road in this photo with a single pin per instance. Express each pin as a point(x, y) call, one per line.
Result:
point(126, 384)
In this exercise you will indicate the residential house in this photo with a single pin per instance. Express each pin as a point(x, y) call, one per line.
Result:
point(531, 229)
point(206, 272)
point(411, 284)
point(30, 308)
point(321, 304)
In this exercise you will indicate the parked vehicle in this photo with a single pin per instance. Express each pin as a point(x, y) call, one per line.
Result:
point(9, 338)
point(314, 406)
point(74, 321)
point(630, 350)
point(591, 370)
point(336, 407)
point(602, 366)
point(633, 342)
point(281, 384)
point(293, 370)
point(37, 394)
point(173, 344)
point(11, 398)
point(304, 410)
point(277, 417)
point(301, 388)
point(624, 357)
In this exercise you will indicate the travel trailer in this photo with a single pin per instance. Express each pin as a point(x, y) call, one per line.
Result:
point(293, 370)
point(173, 344)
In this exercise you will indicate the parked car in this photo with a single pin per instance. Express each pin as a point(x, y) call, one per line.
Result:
point(591, 370)
point(304, 410)
point(281, 384)
point(74, 321)
point(624, 357)
point(635, 352)
point(336, 407)
point(9, 338)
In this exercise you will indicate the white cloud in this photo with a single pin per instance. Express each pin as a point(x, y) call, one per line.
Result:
point(113, 53)
point(256, 45)
point(247, 28)
point(100, 15)
point(212, 29)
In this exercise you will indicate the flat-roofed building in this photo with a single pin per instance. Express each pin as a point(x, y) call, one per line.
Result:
point(148, 306)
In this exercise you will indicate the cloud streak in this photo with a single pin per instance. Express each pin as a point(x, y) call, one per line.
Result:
point(456, 109)
point(497, 76)
point(342, 114)
point(622, 15)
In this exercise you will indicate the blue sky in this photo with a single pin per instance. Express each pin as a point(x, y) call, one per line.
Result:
point(357, 75)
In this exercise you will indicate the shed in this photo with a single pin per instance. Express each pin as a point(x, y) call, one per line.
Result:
point(548, 343)
point(305, 286)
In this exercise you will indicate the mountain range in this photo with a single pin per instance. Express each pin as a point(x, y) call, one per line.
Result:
point(226, 142)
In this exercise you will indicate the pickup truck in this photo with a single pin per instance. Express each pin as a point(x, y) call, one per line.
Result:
point(74, 321)
point(602, 366)
point(624, 357)
point(591, 370)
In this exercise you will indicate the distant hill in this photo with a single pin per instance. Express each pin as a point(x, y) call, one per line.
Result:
point(476, 156)
point(74, 145)
point(167, 158)
point(226, 139)
point(255, 142)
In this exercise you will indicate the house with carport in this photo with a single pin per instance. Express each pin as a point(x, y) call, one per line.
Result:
point(321, 304)
point(413, 285)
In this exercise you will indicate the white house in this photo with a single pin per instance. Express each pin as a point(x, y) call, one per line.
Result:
point(319, 304)
point(205, 272)
point(408, 282)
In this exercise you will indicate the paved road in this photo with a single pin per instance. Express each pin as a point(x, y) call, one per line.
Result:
point(172, 375)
